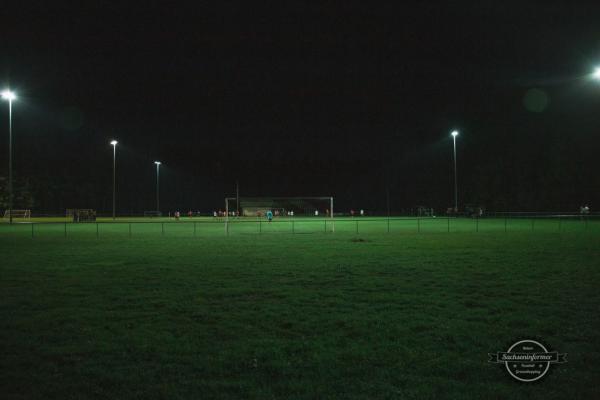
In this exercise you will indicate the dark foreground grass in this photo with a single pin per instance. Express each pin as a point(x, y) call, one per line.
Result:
point(296, 316)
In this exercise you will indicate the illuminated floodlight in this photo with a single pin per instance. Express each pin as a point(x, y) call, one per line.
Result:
point(596, 73)
point(114, 142)
point(454, 134)
point(8, 95)
point(157, 162)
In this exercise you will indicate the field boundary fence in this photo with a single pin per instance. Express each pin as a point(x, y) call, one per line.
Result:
point(357, 226)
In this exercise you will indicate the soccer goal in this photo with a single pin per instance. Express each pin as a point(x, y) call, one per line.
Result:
point(23, 214)
point(83, 215)
point(280, 206)
point(152, 214)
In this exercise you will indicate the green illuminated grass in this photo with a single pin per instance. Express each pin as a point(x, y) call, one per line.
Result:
point(296, 316)
point(209, 227)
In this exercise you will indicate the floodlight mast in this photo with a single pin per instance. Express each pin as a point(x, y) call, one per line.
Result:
point(331, 214)
point(454, 135)
point(158, 163)
point(114, 145)
point(9, 96)
point(227, 217)
point(237, 198)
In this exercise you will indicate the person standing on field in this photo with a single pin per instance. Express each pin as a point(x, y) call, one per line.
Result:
point(269, 215)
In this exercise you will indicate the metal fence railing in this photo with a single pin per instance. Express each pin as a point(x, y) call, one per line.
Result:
point(337, 214)
point(359, 225)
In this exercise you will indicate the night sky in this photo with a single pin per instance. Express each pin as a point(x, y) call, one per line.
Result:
point(299, 99)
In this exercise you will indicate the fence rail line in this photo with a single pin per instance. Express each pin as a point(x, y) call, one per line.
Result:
point(356, 226)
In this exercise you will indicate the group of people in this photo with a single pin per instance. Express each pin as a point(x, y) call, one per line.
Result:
point(361, 212)
point(289, 213)
point(583, 210)
point(190, 214)
point(221, 214)
point(269, 214)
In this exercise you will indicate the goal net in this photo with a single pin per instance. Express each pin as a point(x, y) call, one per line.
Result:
point(24, 214)
point(82, 214)
point(280, 206)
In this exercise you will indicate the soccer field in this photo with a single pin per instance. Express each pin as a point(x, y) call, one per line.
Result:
point(413, 313)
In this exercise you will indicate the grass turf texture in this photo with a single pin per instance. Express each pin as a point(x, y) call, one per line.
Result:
point(206, 226)
point(340, 315)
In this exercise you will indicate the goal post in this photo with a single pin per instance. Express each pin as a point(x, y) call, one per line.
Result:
point(23, 214)
point(84, 215)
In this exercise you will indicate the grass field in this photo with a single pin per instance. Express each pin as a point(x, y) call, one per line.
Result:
point(406, 314)
point(208, 226)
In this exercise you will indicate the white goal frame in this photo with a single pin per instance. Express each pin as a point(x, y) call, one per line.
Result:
point(24, 214)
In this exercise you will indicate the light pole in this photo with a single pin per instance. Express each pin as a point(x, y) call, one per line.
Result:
point(9, 96)
point(114, 145)
point(157, 185)
point(454, 135)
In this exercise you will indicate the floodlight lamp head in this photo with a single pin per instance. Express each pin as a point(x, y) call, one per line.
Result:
point(8, 95)
point(596, 73)
point(157, 162)
point(114, 142)
point(454, 133)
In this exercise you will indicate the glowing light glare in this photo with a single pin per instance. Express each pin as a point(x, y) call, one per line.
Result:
point(114, 142)
point(8, 95)
point(454, 133)
point(157, 162)
point(596, 73)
